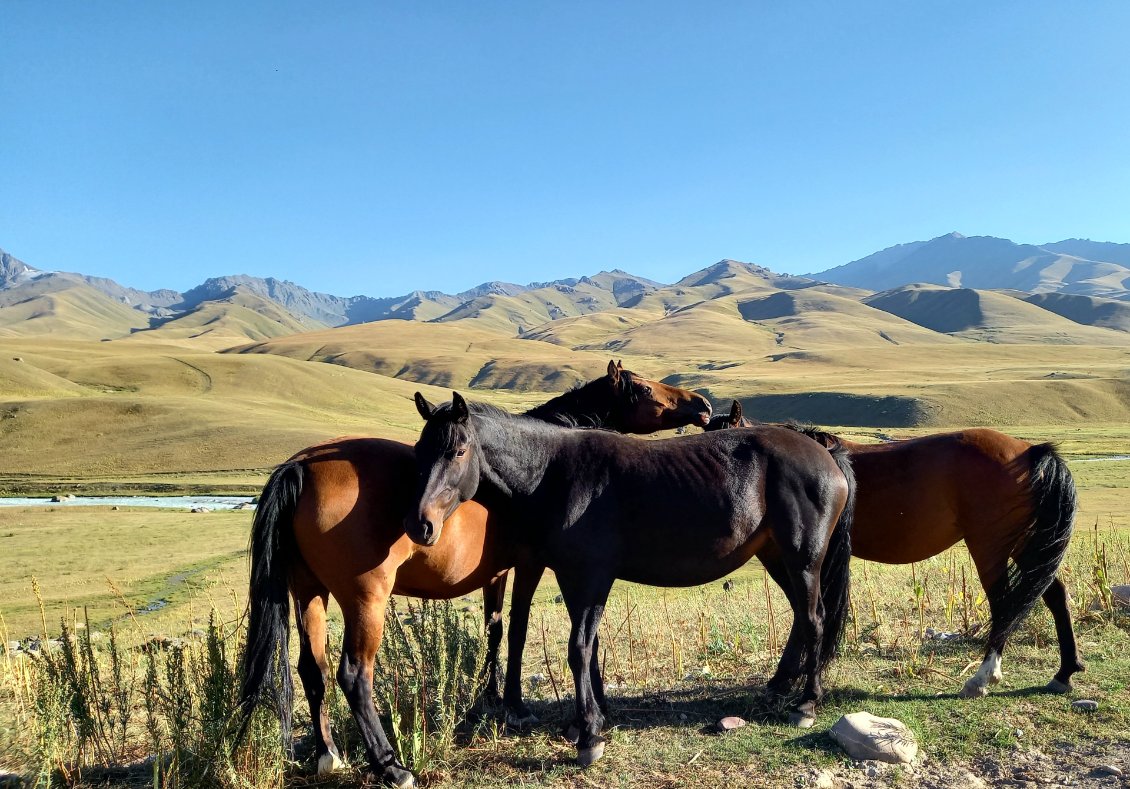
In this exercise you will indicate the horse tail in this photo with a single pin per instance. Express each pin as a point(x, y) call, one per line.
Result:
point(835, 573)
point(1052, 491)
point(266, 660)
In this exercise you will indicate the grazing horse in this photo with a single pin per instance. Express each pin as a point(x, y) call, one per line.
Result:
point(331, 520)
point(595, 506)
point(1007, 498)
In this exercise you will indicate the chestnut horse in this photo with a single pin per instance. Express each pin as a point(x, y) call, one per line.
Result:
point(1007, 498)
point(330, 521)
point(595, 506)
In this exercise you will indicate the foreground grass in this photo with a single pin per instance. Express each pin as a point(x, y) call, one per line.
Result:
point(677, 660)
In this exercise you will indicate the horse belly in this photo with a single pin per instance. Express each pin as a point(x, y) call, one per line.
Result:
point(904, 520)
point(692, 564)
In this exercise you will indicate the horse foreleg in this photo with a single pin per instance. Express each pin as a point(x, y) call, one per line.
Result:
point(585, 600)
point(526, 578)
point(364, 627)
point(1070, 661)
point(311, 599)
point(494, 595)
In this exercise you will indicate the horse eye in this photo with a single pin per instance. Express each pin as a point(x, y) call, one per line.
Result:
point(460, 453)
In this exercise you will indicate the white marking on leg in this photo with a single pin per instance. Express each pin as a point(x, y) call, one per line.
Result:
point(988, 674)
point(328, 763)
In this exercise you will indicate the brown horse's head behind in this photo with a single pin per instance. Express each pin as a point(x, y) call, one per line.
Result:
point(645, 406)
point(447, 458)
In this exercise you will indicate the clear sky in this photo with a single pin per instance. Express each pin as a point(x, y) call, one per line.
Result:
point(379, 147)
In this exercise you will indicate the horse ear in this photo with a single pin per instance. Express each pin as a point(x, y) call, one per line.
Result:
point(459, 408)
point(425, 408)
point(620, 364)
point(735, 414)
point(613, 371)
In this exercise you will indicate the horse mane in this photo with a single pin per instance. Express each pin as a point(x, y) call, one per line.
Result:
point(582, 406)
point(829, 440)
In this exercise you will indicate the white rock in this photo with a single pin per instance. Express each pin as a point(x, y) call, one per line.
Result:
point(1084, 705)
point(865, 736)
point(825, 779)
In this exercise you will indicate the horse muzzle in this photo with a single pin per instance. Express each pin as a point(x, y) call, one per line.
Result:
point(423, 529)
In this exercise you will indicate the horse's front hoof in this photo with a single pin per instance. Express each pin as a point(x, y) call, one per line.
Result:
point(974, 690)
point(802, 720)
point(397, 776)
point(521, 719)
point(329, 763)
point(586, 756)
point(1057, 687)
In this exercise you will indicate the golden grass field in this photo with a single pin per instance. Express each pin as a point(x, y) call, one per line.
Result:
point(213, 402)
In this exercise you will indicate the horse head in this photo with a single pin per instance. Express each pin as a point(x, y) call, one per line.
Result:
point(447, 461)
point(640, 405)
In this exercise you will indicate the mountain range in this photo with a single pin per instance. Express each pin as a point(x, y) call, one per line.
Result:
point(953, 286)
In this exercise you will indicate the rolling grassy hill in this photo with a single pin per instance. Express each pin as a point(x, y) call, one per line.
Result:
point(239, 381)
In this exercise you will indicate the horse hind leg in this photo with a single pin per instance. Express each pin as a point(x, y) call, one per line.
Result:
point(311, 599)
point(1070, 660)
point(993, 576)
point(364, 626)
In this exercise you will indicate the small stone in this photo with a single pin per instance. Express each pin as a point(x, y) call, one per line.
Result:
point(1084, 705)
point(825, 779)
point(559, 599)
point(871, 770)
point(727, 586)
point(1109, 769)
point(867, 737)
point(1121, 594)
point(536, 679)
point(13, 646)
point(114, 508)
point(730, 722)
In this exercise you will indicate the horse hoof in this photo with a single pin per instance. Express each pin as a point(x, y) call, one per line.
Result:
point(572, 733)
point(520, 720)
point(802, 720)
point(586, 756)
point(973, 690)
point(328, 763)
point(397, 776)
point(1057, 687)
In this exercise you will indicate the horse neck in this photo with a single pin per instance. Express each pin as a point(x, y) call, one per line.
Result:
point(515, 453)
point(586, 407)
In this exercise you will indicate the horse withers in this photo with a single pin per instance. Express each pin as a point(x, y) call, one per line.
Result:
point(595, 506)
point(1012, 502)
point(330, 522)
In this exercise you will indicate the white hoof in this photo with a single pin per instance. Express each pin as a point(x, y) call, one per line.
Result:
point(973, 690)
point(586, 756)
point(328, 763)
point(801, 720)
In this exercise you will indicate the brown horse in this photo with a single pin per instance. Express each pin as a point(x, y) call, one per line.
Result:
point(330, 521)
point(1007, 498)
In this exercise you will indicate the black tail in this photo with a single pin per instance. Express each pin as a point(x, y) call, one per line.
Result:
point(266, 660)
point(1034, 566)
point(835, 573)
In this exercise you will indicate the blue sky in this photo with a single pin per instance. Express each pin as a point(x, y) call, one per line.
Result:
point(377, 148)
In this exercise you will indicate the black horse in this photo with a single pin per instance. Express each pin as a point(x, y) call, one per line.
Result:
point(679, 512)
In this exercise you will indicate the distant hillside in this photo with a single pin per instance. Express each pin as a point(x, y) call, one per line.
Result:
point(1088, 310)
point(985, 262)
point(987, 316)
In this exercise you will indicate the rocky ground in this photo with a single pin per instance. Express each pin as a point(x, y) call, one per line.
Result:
point(1095, 764)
